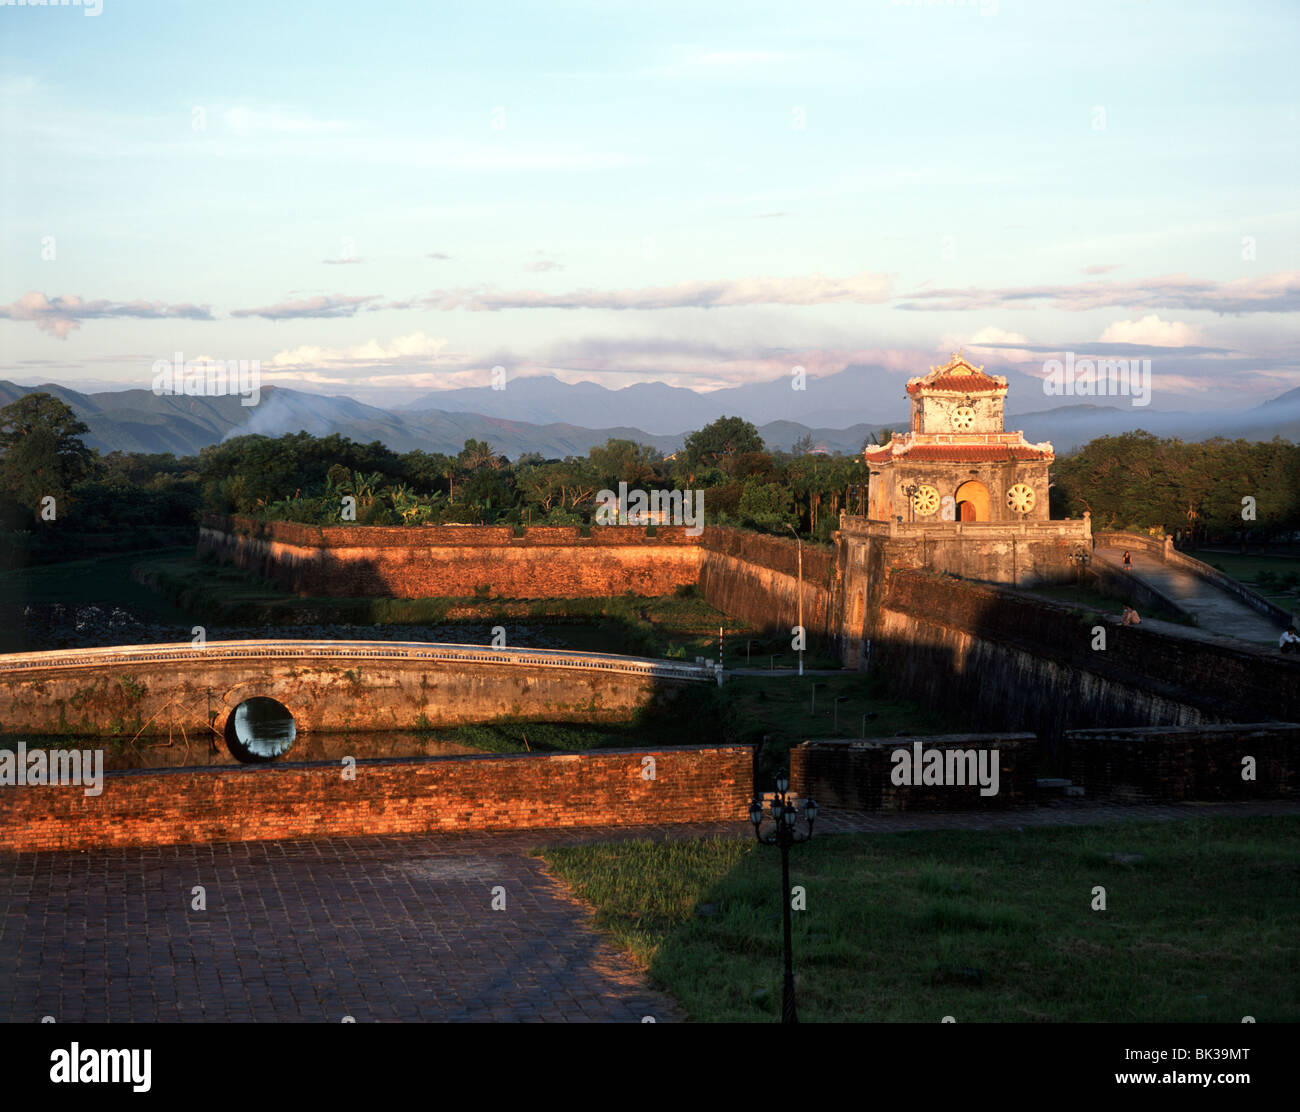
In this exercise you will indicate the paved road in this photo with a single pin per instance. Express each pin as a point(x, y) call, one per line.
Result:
point(383, 928)
point(1216, 610)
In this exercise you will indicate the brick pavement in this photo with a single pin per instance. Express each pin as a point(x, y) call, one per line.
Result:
point(378, 928)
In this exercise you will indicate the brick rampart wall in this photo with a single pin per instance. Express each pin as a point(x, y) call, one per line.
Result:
point(859, 774)
point(457, 562)
point(938, 631)
point(1192, 763)
point(256, 803)
point(748, 575)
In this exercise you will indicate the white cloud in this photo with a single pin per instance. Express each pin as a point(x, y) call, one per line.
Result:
point(814, 289)
point(1153, 332)
point(415, 348)
point(62, 314)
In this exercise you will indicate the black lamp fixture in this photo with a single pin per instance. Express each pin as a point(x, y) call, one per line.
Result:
point(910, 490)
point(784, 817)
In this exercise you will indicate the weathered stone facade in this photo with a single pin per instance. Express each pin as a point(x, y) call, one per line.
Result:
point(957, 463)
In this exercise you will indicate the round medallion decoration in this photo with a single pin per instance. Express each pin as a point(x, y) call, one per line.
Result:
point(1021, 498)
point(925, 501)
point(963, 418)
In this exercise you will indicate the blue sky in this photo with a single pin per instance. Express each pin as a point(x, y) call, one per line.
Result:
point(386, 199)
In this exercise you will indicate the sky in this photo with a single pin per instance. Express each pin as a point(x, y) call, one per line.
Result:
point(385, 200)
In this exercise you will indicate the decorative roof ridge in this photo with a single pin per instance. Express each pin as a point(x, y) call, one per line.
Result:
point(957, 375)
point(957, 360)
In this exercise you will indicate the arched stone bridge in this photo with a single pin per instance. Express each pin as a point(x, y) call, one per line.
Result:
point(326, 685)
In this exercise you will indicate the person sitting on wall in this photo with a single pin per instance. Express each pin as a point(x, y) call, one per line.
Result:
point(1131, 616)
point(1289, 642)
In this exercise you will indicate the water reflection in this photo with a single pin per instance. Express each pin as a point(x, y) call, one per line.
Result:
point(153, 752)
point(261, 729)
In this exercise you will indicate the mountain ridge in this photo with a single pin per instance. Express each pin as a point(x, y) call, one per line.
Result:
point(141, 421)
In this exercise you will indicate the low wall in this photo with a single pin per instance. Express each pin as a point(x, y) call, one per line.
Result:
point(1194, 763)
point(256, 803)
point(859, 775)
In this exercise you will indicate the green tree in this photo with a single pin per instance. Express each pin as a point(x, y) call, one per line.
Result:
point(41, 452)
point(477, 454)
point(719, 442)
point(626, 461)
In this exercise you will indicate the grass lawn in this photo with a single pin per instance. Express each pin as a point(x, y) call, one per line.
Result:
point(1203, 928)
point(78, 582)
point(101, 581)
point(786, 711)
point(1247, 569)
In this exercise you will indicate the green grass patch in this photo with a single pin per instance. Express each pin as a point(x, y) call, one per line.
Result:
point(1277, 578)
point(787, 710)
point(1201, 924)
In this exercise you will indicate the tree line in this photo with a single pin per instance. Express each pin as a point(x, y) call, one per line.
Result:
point(60, 498)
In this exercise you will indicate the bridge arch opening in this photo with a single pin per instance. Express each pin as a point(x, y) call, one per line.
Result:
point(260, 729)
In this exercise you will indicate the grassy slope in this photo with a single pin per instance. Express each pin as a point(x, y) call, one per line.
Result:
point(1203, 928)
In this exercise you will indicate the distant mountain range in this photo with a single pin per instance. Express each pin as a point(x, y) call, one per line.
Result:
point(876, 395)
point(539, 415)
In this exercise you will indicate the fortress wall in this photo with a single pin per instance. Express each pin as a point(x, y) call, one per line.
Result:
point(361, 561)
point(756, 577)
point(1006, 661)
point(749, 575)
point(257, 803)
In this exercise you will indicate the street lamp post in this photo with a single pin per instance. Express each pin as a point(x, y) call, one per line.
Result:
point(803, 633)
point(783, 816)
point(910, 490)
point(1080, 558)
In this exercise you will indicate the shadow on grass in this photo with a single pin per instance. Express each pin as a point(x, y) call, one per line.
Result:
point(1200, 923)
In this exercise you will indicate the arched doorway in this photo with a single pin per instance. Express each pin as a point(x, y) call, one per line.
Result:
point(972, 499)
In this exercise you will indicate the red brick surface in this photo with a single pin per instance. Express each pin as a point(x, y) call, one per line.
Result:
point(509, 792)
point(457, 562)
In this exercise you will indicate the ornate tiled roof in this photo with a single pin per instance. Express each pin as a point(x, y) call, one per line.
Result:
point(959, 375)
point(956, 448)
point(959, 453)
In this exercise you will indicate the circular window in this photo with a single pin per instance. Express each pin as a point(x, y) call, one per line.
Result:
point(925, 500)
point(1021, 498)
point(963, 418)
point(260, 729)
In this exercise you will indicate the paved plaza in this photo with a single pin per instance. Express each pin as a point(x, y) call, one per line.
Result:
point(376, 928)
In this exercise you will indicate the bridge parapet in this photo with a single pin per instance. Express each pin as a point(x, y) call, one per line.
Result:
point(326, 685)
point(358, 650)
